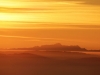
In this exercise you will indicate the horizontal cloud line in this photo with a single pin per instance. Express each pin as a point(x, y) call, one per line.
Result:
point(46, 25)
point(27, 10)
point(30, 38)
point(9, 36)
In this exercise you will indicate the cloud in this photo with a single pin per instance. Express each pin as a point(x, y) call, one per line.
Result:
point(47, 25)
point(27, 10)
point(25, 38)
point(9, 36)
point(92, 2)
point(37, 39)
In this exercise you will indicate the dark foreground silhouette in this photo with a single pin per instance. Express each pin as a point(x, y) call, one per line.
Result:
point(49, 63)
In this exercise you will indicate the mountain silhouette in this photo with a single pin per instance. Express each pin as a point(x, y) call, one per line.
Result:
point(54, 47)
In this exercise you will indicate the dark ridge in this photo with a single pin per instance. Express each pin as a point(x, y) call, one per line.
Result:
point(54, 47)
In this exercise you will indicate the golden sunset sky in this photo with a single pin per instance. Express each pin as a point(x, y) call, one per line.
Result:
point(26, 23)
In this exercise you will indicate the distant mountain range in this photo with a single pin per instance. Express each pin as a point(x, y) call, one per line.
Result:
point(55, 47)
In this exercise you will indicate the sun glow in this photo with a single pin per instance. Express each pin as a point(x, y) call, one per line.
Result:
point(7, 17)
point(17, 17)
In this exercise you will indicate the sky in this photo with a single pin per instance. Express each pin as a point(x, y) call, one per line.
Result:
point(26, 23)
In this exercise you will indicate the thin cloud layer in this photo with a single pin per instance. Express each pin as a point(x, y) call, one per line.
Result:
point(26, 10)
point(92, 2)
point(31, 38)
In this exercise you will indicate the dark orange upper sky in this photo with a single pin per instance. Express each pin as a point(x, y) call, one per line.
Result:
point(25, 23)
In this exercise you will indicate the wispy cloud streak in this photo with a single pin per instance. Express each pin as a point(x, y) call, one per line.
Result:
point(31, 38)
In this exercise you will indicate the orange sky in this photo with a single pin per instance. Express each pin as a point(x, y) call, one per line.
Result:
point(25, 23)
